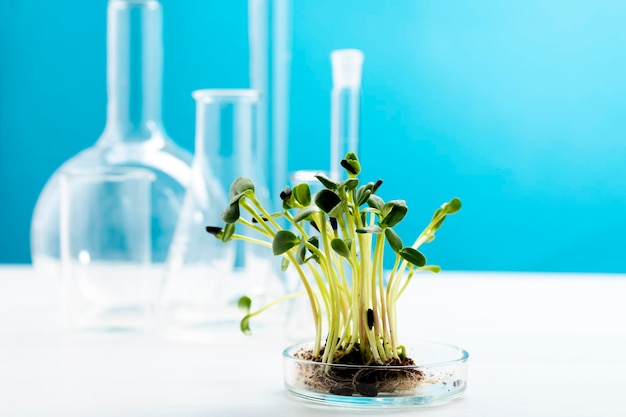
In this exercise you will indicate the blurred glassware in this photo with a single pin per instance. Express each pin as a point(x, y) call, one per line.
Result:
point(205, 277)
point(269, 29)
point(347, 65)
point(133, 136)
point(299, 323)
point(105, 248)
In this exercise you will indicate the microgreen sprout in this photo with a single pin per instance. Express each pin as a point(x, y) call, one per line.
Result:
point(340, 264)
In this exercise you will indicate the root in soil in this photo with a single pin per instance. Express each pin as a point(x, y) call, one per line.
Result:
point(368, 380)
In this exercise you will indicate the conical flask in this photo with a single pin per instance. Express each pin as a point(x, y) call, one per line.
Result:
point(205, 277)
point(133, 136)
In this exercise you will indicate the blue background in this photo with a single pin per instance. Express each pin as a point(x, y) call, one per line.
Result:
point(518, 108)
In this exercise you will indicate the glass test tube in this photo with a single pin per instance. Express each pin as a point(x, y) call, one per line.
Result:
point(270, 65)
point(347, 67)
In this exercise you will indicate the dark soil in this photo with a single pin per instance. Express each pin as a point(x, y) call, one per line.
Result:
point(367, 382)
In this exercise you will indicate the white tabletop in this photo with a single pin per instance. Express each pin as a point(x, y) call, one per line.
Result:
point(540, 345)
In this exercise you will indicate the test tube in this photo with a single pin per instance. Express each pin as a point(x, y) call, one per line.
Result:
point(269, 27)
point(347, 67)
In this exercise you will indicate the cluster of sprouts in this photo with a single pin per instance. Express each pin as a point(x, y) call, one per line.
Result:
point(340, 264)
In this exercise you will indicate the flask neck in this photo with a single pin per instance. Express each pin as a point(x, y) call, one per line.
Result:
point(134, 71)
point(225, 140)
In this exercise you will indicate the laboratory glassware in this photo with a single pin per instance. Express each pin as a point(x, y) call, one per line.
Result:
point(270, 66)
point(299, 323)
point(205, 277)
point(133, 136)
point(347, 67)
point(105, 247)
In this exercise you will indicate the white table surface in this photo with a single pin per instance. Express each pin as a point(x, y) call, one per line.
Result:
point(540, 345)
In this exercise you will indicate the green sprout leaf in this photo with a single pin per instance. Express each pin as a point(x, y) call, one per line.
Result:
point(313, 240)
point(231, 214)
point(412, 256)
point(350, 184)
point(452, 206)
point(363, 193)
point(326, 182)
point(393, 212)
point(376, 202)
point(340, 247)
point(239, 188)
point(302, 193)
point(334, 213)
point(394, 240)
point(283, 241)
point(327, 200)
point(438, 224)
point(244, 325)
point(363, 197)
point(436, 213)
point(229, 231)
point(305, 213)
point(244, 304)
point(301, 253)
point(351, 164)
point(370, 229)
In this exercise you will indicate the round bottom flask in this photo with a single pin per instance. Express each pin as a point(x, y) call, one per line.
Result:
point(133, 137)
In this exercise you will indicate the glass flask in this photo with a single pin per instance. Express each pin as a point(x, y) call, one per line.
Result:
point(206, 277)
point(133, 136)
point(347, 67)
point(270, 66)
point(105, 248)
